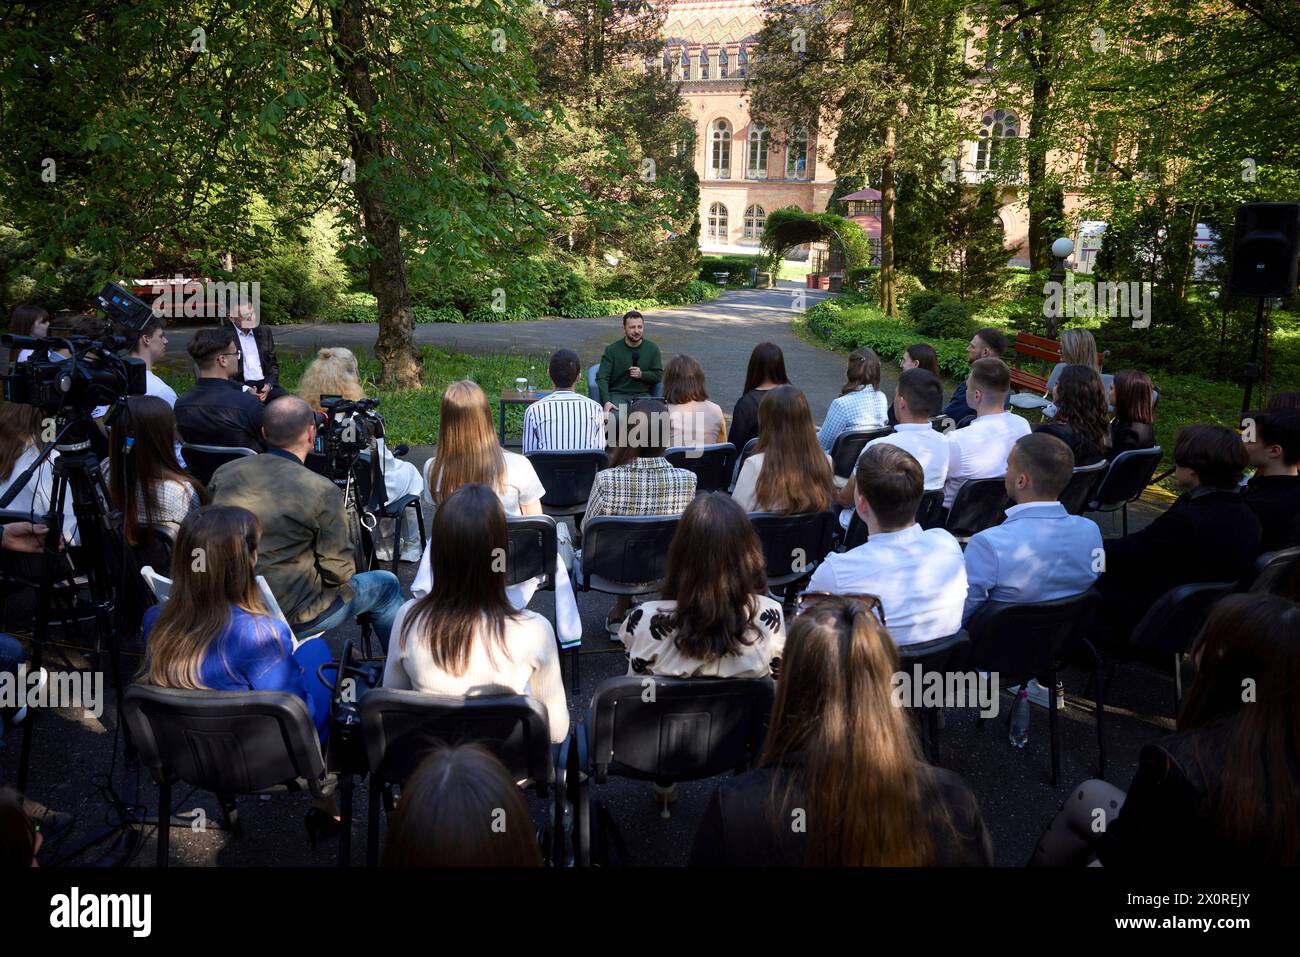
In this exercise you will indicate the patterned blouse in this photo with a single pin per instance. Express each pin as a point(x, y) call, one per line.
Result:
point(854, 412)
point(642, 487)
point(648, 636)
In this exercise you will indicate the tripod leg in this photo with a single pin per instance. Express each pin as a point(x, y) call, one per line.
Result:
point(164, 819)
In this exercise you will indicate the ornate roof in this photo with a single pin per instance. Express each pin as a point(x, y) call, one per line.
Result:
point(712, 21)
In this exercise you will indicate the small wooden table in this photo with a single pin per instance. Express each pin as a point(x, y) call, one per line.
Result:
point(515, 397)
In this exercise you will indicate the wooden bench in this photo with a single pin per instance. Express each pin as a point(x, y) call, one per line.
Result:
point(1038, 347)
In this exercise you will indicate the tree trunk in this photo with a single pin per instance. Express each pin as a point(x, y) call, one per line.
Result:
point(1039, 193)
point(395, 348)
point(888, 293)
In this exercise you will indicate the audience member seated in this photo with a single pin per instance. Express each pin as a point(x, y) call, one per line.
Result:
point(1273, 493)
point(1078, 348)
point(766, 371)
point(1223, 791)
point(640, 481)
point(1134, 399)
point(692, 418)
point(335, 372)
point(31, 320)
point(214, 631)
point(217, 410)
point(917, 574)
point(715, 619)
point(1080, 421)
point(460, 809)
point(307, 557)
point(149, 348)
point(21, 443)
point(920, 355)
point(917, 397)
point(860, 406)
point(980, 450)
point(150, 488)
point(464, 637)
point(564, 421)
point(630, 367)
point(843, 759)
point(788, 472)
point(1208, 535)
point(985, 344)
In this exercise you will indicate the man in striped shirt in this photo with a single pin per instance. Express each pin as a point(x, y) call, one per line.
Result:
point(564, 421)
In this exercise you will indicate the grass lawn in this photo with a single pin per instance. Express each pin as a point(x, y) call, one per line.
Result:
point(412, 417)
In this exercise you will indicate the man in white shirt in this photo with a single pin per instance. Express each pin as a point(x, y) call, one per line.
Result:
point(149, 348)
point(564, 421)
point(918, 574)
point(980, 450)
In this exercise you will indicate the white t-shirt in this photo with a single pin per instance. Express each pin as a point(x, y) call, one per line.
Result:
point(33, 500)
point(980, 450)
point(919, 576)
point(928, 446)
point(746, 491)
point(532, 667)
point(523, 487)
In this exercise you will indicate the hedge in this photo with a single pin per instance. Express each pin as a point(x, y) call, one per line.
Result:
point(857, 325)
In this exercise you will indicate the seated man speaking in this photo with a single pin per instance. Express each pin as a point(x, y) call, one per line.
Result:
point(629, 368)
point(305, 554)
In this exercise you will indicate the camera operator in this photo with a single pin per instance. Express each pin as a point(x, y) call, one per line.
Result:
point(305, 554)
point(216, 411)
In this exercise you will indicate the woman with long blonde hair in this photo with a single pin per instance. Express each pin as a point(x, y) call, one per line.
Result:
point(334, 371)
point(789, 471)
point(842, 754)
point(215, 632)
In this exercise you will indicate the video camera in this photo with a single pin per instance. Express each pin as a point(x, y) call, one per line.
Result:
point(92, 374)
point(344, 430)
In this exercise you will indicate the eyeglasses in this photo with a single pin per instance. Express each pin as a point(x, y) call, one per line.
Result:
point(227, 355)
point(872, 603)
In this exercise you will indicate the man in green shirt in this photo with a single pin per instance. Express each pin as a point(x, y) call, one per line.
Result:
point(630, 368)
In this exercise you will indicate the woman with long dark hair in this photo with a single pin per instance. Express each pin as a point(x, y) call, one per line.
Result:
point(1224, 790)
point(715, 618)
point(147, 483)
point(1133, 427)
point(860, 405)
point(766, 371)
point(464, 635)
point(842, 761)
point(460, 809)
point(1081, 421)
point(789, 471)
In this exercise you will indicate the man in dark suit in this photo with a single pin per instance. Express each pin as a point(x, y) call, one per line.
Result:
point(216, 410)
point(987, 343)
point(259, 368)
point(1208, 535)
point(1273, 494)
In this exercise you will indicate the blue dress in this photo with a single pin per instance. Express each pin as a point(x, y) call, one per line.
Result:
point(255, 653)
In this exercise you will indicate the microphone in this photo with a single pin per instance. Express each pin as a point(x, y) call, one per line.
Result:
point(636, 357)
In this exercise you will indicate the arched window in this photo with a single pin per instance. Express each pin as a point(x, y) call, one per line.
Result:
point(686, 64)
point(759, 142)
point(997, 125)
point(796, 154)
point(755, 217)
point(718, 222)
point(704, 63)
point(742, 61)
point(723, 63)
point(720, 150)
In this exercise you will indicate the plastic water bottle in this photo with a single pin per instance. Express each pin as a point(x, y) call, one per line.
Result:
point(1020, 718)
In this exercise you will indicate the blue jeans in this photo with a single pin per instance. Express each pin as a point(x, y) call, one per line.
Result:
point(379, 593)
point(12, 654)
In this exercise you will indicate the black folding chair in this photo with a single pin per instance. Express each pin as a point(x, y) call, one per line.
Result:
point(625, 555)
point(567, 478)
point(940, 656)
point(712, 464)
point(203, 460)
point(663, 730)
point(226, 742)
point(532, 551)
point(400, 728)
point(1277, 573)
point(929, 514)
point(1023, 640)
point(1128, 475)
point(372, 495)
point(745, 453)
point(1078, 492)
point(980, 504)
point(793, 545)
point(1170, 625)
point(848, 447)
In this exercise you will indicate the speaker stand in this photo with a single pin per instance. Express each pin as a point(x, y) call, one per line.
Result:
point(1252, 367)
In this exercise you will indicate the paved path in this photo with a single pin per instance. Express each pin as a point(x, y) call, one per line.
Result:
point(720, 334)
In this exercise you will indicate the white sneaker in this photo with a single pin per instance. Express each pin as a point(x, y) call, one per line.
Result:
point(1038, 694)
point(412, 552)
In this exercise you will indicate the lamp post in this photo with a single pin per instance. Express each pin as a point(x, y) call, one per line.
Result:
point(1061, 249)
